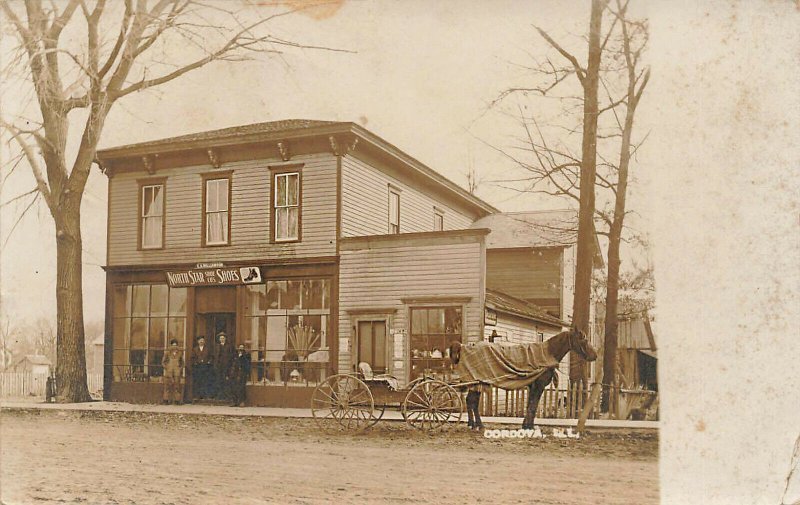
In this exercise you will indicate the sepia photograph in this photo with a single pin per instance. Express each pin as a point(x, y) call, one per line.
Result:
point(376, 251)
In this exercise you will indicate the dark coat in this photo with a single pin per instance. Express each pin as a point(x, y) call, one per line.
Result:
point(204, 357)
point(223, 357)
point(240, 369)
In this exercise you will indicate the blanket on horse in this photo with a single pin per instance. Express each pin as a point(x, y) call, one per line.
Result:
point(507, 366)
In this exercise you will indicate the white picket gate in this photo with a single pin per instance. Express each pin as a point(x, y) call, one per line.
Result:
point(24, 384)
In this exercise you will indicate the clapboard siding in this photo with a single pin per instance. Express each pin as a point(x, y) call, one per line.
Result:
point(525, 274)
point(250, 214)
point(382, 277)
point(365, 203)
point(518, 330)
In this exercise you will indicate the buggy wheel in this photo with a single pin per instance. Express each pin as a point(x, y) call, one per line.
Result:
point(343, 403)
point(377, 414)
point(431, 404)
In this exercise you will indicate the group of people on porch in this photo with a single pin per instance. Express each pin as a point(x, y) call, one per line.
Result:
point(218, 372)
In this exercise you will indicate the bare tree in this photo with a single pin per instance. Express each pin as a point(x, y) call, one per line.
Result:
point(129, 47)
point(552, 168)
point(633, 32)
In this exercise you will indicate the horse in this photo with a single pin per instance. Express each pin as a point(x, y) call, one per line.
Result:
point(557, 346)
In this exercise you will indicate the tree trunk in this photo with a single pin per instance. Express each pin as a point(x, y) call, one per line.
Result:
point(584, 262)
point(71, 354)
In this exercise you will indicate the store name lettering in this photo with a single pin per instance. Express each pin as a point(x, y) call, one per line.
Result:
point(215, 276)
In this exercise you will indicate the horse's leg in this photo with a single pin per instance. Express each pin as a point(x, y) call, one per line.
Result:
point(477, 406)
point(535, 391)
point(471, 418)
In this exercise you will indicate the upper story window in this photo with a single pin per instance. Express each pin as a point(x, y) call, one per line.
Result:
point(286, 205)
point(151, 214)
point(216, 213)
point(394, 210)
point(438, 220)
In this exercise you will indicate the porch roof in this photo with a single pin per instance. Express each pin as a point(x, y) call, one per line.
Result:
point(508, 304)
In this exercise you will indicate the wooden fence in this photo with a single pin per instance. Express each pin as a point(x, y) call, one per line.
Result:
point(22, 385)
point(569, 403)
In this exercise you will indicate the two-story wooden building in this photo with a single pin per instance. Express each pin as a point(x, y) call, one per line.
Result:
point(318, 245)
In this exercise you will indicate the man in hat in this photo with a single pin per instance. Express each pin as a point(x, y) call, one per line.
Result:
point(223, 356)
point(202, 368)
point(173, 369)
point(240, 371)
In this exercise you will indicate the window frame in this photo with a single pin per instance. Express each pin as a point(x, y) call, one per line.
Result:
point(284, 171)
point(438, 217)
point(143, 183)
point(206, 178)
point(393, 191)
point(443, 306)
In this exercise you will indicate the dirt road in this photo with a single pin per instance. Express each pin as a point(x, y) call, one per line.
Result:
point(136, 458)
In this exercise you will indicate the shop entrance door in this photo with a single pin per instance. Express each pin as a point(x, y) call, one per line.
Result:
point(210, 324)
point(372, 345)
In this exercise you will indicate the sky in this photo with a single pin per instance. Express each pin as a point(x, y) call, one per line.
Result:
point(716, 184)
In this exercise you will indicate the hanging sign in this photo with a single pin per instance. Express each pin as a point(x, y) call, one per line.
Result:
point(489, 317)
point(214, 277)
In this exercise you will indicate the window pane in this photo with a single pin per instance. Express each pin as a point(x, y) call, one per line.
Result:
point(275, 291)
point(151, 232)
point(159, 294)
point(452, 320)
point(281, 223)
point(280, 190)
point(255, 301)
point(147, 200)
point(435, 321)
point(139, 333)
point(215, 233)
point(141, 299)
point(222, 194)
point(177, 329)
point(365, 342)
point(122, 328)
point(292, 189)
point(276, 338)
point(158, 333)
point(293, 224)
point(122, 300)
point(223, 217)
point(419, 321)
point(379, 330)
point(312, 294)
point(155, 369)
point(254, 332)
point(158, 200)
point(291, 300)
point(212, 201)
point(177, 301)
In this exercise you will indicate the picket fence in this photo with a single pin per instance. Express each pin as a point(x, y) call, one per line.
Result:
point(23, 385)
point(570, 402)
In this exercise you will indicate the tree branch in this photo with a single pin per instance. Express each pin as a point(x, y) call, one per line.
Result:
point(41, 184)
point(579, 71)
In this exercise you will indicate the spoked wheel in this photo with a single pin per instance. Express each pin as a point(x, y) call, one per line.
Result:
point(343, 402)
point(431, 404)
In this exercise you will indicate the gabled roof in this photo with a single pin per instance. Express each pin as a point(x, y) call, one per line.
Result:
point(541, 228)
point(289, 129)
point(503, 302)
point(34, 359)
point(285, 125)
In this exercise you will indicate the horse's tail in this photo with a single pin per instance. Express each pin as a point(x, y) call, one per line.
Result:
point(455, 352)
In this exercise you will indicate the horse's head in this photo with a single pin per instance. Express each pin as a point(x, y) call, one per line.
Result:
point(580, 344)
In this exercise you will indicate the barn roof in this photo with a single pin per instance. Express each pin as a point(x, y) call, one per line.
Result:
point(35, 359)
point(541, 228)
point(503, 302)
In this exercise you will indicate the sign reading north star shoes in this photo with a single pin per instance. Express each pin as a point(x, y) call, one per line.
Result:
point(214, 277)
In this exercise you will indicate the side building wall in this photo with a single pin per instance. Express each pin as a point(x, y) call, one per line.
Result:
point(249, 220)
point(365, 202)
point(388, 276)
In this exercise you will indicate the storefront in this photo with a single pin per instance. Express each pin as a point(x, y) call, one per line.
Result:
point(284, 315)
